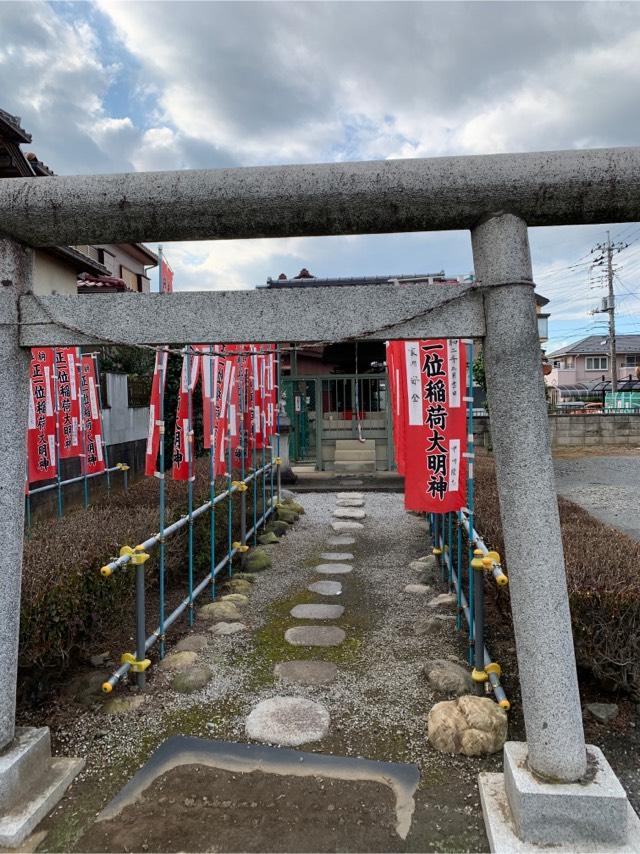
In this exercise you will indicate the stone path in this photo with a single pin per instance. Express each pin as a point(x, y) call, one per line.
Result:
point(349, 681)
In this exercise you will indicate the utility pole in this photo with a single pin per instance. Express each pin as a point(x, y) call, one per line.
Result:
point(607, 251)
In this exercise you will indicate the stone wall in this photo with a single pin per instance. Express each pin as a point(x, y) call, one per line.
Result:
point(581, 430)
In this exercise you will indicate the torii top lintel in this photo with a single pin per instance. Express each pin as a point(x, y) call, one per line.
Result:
point(543, 188)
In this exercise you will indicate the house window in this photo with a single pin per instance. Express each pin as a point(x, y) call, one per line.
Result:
point(107, 259)
point(631, 360)
point(596, 363)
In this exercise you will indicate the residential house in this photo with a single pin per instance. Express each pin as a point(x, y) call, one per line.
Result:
point(587, 361)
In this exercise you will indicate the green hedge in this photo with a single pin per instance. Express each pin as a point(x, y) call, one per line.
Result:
point(603, 581)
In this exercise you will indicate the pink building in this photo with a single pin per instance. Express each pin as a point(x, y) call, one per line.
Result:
point(586, 363)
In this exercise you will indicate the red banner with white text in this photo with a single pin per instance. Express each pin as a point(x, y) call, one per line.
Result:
point(434, 375)
point(67, 377)
point(154, 432)
point(91, 418)
point(397, 400)
point(41, 430)
point(183, 444)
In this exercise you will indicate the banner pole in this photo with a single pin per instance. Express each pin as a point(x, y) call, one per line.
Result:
point(57, 435)
point(83, 404)
point(105, 453)
point(278, 463)
point(213, 430)
point(470, 501)
point(190, 448)
point(229, 479)
point(243, 493)
point(161, 466)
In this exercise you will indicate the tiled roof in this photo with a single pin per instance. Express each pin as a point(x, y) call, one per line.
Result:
point(594, 345)
point(10, 127)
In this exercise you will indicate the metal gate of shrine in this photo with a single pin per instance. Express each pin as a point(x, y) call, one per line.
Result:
point(327, 409)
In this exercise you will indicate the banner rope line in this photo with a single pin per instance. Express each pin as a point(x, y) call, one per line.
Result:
point(475, 288)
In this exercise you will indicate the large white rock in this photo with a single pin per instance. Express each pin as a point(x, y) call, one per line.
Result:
point(290, 721)
point(468, 725)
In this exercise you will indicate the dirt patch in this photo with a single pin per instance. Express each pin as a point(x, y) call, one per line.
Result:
point(195, 808)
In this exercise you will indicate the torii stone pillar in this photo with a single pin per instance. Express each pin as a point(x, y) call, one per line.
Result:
point(31, 782)
point(547, 795)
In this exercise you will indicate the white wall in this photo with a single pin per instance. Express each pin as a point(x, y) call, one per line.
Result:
point(122, 424)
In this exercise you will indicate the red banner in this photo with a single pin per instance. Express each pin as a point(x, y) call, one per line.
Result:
point(157, 391)
point(397, 400)
point(183, 435)
point(167, 278)
point(434, 374)
point(68, 400)
point(93, 449)
point(41, 432)
point(216, 379)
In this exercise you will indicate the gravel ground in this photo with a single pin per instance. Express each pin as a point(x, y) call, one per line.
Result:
point(605, 486)
point(377, 704)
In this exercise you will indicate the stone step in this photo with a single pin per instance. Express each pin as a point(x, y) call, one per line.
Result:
point(355, 454)
point(354, 444)
point(355, 467)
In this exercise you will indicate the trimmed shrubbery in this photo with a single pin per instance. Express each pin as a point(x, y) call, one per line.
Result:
point(67, 608)
point(603, 580)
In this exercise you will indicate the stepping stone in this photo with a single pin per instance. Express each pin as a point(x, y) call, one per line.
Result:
point(290, 721)
point(192, 643)
point(336, 556)
point(341, 541)
point(235, 598)
point(350, 502)
point(349, 495)
point(334, 568)
point(341, 527)
point(227, 628)
point(219, 611)
point(191, 680)
point(418, 566)
point(178, 661)
point(442, 599)
point(326, 588)
point(317, 612)
point(122, 705)
point(349, 513)
point(312, 672)
point(417, 588)
point(237, 585)
point(315, 636)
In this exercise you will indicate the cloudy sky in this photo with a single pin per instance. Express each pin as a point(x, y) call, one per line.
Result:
point(117, 86)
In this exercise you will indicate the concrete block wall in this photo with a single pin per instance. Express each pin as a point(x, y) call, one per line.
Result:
point(581, 430)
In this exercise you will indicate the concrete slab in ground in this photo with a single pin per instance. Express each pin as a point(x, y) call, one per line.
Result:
point(309, 672)
point(341, 541)
point(317, 612)
point(333, 556)
point(198, 795)
point(315, 636)
point(326, 588)
point(289, 721)
point(334, 568)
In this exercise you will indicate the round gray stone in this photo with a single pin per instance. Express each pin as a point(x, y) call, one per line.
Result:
point(290, 721)
point(448, 677)
point(219, 611)
point(350, 502)
point(326, 588)
point(341, 527)
point(192, 643)
point(311, 672)
point(341, 541)
point(442, 599)
point(349, 513)
point(336, 556)
point(178, 661)
point(603, 712)
point(227, 628)
point(333, 568)
point(314, 636)
point(317, 612)
point(420, 589)
point(191, 680)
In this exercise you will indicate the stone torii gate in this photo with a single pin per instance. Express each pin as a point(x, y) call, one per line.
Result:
point(557, 789)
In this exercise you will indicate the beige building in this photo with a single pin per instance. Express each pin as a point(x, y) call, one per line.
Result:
point(73, 269)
